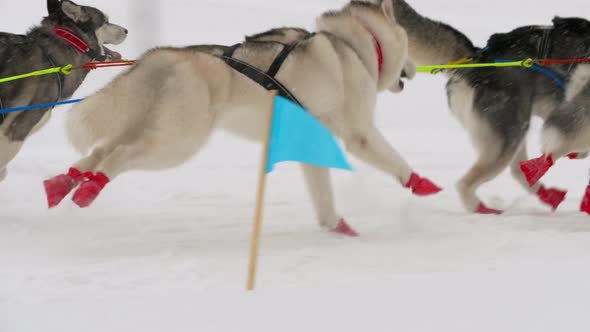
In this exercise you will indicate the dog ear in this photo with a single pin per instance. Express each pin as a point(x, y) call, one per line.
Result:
point(572, 24)
point(388, 10)
point(52, 6)
point(73, 11)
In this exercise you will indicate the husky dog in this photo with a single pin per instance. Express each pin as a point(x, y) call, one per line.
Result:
point(161, 112)
point(70, 34)
point(495, 105)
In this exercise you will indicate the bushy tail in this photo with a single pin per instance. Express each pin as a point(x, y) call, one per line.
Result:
point(431, 42)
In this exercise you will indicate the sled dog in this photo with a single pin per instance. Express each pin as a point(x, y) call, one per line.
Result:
point(161, 112)
point(495, 105)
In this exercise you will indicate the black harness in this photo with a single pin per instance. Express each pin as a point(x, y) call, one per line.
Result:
point(59, 77)
point(544, 46)
point(267, 79)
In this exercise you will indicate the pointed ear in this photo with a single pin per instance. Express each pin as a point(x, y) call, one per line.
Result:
point(73, 11)
point(387, 8)
point(52, 6)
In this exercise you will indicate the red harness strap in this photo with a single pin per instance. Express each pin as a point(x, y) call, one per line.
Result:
point(74, 40)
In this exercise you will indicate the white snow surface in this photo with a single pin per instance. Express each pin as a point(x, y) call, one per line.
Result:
point(168, 251)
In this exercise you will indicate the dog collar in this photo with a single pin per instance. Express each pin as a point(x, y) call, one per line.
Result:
point(76, 42)
point(379, 54)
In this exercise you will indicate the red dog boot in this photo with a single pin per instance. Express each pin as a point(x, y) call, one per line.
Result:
point(57, 188)
point(483, 209)
point(585, 207)
point(551, 197)
point(422, 186)
point(344, 229)
point(90, 189)
point(534, 169)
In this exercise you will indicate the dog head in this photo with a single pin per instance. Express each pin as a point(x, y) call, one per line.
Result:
point(574, 36)
point(89, 23)
point(402, 67)
point(377, 37)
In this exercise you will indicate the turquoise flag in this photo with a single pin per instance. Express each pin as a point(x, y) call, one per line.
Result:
point(298, 136)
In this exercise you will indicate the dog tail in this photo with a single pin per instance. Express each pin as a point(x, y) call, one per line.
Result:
point(431, 42)
point(116, 111)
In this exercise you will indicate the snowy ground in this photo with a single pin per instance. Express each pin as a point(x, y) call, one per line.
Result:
point(168, 251)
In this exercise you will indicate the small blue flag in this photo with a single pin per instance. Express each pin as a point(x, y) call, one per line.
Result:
point(297, 136)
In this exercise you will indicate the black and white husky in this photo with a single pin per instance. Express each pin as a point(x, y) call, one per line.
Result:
point(70, 34)
point(496, 105)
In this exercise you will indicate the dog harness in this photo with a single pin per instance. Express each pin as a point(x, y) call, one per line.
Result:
point(59, 77)
point(268, 79)
point(265, 79)
point(543, 50)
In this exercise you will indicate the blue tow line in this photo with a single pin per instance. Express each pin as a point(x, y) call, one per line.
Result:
point(32, 107)
point(545, 71)
point(551, 75)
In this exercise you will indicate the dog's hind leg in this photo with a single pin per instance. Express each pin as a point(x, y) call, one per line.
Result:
point(149, 150)
point(3, 173)
point(373, 148)
point(551, 197)
point(491, 162)
point(98, 154)
point(319, 186)
point(58, 187)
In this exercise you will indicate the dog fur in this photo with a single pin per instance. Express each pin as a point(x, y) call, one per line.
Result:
point(161, 112)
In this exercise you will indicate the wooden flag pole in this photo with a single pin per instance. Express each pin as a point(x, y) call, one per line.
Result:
point(255, 242)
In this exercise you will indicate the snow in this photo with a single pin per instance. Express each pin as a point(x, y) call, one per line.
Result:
point(167, 251)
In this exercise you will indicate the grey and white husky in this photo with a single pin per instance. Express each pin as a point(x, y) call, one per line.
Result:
point(161, 112)
point(70, 34)
point(496, 105)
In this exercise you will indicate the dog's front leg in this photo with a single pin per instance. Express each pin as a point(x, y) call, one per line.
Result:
point(24, 123)
point(319, 185)
point(371, 147)
point(8, 150)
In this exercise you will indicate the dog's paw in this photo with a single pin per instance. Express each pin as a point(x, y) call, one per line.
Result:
point(534, 169)
point(15, 133)
point(90, 189)
point(551, 197)
point(483, 209)
point(57, 188)
point(344, 229)
point(422, 186)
